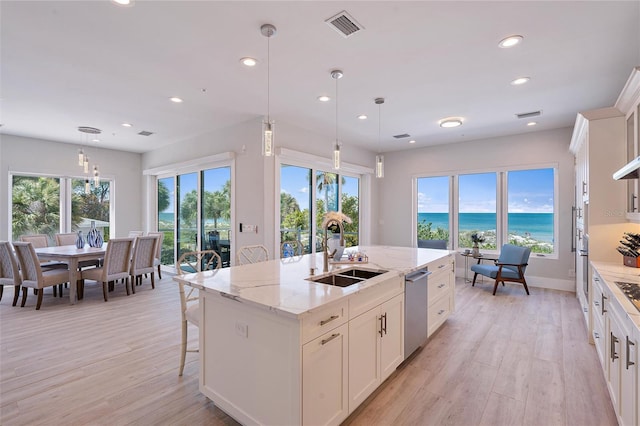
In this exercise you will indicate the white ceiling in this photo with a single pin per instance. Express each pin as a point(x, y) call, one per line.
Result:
point(93, 63)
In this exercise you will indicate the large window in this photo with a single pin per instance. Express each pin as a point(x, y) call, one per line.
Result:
point(513, 206)
point(303, 189)
point(40, 206)
point(194, 213)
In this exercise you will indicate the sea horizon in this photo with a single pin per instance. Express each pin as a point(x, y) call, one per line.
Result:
point(538, 226)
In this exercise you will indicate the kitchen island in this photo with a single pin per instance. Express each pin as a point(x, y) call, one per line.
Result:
point(277, 348)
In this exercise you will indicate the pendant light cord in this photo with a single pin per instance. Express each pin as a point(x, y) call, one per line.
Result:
point(337, 111)
point(269, 77)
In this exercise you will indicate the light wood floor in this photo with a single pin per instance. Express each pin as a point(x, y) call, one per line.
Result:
point(503, 360)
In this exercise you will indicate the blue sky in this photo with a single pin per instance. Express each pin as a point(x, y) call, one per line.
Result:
point(530, 191)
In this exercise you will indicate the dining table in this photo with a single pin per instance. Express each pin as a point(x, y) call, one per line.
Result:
point(71, 255)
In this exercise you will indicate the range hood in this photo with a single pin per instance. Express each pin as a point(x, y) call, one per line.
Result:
point(630, 171)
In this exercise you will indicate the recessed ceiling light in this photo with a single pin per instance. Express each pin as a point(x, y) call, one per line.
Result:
point(520, 80)
point(123, 2)
point(412, 141)
point(175, 99)
point(362, 117)
point(126, 124)
point(510, 41)
point(250, 62)
point(532, 123)
point(450, 122)
point(324, 98)
point(95, 140)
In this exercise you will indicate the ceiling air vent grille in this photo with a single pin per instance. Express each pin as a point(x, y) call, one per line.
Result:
point(529, 114)
point(344, 24)
point(404, 135)
point(145, 133)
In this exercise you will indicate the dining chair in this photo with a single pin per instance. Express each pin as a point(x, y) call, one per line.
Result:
point(510, 266)
point(157, 261)
point(9, 270)
point(290, 248)
point(116, 265)
point(194, 261)
point(69, 239)
point(252, 254)
point(142, 260)
point(41, 241)
point(33, 275)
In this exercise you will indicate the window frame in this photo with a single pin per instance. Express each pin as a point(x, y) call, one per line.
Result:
point(501, 204)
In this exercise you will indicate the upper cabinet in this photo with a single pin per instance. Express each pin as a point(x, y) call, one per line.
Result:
point(629, 104)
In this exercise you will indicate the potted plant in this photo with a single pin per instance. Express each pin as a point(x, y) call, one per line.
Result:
point(630, 249)
point(477, 239)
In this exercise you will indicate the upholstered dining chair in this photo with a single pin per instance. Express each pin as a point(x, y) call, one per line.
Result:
point(116, 265)
point(142, 260)
point(41, 241)
point(33, 275)
point(291, 248)
point(194, 261)
point(157, 261)
point(252, 254)
point(9, 270)
point(510, 266)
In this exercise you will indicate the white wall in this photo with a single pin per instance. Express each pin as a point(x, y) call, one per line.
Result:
point(395, 205)
point(255, 194)
point(26, 155)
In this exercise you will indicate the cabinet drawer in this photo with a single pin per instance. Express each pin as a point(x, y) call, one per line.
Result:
point(369, 298)
point(438, 313)
point(323, 320)
point(439, 283)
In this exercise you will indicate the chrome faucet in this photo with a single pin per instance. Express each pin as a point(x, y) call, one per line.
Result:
point(325, 242)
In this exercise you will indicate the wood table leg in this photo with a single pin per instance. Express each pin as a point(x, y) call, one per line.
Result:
point(73, 280)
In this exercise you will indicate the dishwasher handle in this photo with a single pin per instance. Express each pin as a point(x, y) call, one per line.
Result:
point(417, 276)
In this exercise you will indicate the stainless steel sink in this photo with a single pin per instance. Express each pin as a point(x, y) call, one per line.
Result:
point(347, 277)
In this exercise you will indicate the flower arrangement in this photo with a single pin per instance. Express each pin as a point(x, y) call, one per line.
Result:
point(477, 238)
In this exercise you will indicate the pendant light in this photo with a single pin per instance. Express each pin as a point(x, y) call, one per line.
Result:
point(267, 30)
point(83, 159)
point(336, 75)
point(379, 157)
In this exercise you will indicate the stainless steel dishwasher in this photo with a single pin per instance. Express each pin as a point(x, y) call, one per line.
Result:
point(415, 310)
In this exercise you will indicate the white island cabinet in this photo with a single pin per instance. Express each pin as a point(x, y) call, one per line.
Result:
point(279, 349)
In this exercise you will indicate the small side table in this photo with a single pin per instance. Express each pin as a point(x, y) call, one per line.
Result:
point(480, 257)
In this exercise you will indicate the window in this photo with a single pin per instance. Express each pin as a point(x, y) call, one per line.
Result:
point(514, 206)
point(302, 189)
point(530, 209)
point(40, 206)
point(433, 208)
point(477, 209)
point(166, 223)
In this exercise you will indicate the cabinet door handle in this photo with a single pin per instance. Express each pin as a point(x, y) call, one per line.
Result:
point(584, 188)
point(330, 338)
point(381, 328)
point(328, 320)
point(603, 299)
point(384, 327)
point(634, 197)
point(596, 335)
point(629, 343)
point(614, 340)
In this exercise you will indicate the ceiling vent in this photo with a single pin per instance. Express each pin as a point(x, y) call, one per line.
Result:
point(145, 133)
point(529, 114)
point(344, 24)
point(404, 135)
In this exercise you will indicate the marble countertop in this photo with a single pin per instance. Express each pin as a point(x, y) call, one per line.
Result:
point(281, 285)
point(611, 272)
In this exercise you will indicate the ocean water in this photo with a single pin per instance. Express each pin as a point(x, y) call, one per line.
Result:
point(538, 226)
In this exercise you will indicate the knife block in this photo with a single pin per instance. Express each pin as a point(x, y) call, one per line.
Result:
point(633, 262)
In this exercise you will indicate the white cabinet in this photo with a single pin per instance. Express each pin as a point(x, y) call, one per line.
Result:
point(440, 292)
point(324, 382)
point(375, 348)
point(629, 104)
point(600, 306)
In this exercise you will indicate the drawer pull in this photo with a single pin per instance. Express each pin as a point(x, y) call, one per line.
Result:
point(441, 266)
point(603, 299)
point(614, 354)
point(381, 327)
point(330, 338)
point(629, 343)
point(331, 318)
point(441, 285)
point(441, 311)
point(596, 335)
